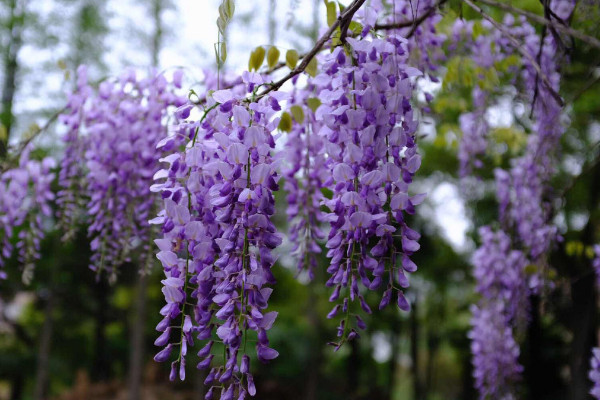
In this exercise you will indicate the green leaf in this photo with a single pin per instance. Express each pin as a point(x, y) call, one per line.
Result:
point(222, 25)
point(331, 13)
point(297, 113)
point(530, 269)
point(355, 27)
point(335, 38)
point(477, 29)
point(217, 56)
point(256, 58)
point(313, 103)
point(574, 248)
point(589, 252)
point(285, 123)
point(311, 68)
point(456, 6)
point(222, 14)
point(291, 58)
point(223, 52)
point(272, 57)
point(229, 7)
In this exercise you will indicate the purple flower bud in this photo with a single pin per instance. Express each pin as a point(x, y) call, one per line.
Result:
point(164, 354)
point(227, 394)
point(245, 364)
point(206, 362)
point(251, 387)
point(402, 302)
point(265, 353)
point(334, 312)
point(173, 373)
point(163, 339)
point(205, 350)
point(182, 369)
point(385, 300)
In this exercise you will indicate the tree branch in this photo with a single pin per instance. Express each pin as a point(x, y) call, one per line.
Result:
point(521, 50)
point(319, 46)
point(343, 20)
point(592, 41)
point(414, 23)
point(20, 147)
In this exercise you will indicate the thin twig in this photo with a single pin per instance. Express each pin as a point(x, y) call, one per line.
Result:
point(521, 50)
point(592, 41)
point(23, 144)
point(585, 169)
point(588, 86)
point(380, 27)
point(342, 20)
point(413, 24)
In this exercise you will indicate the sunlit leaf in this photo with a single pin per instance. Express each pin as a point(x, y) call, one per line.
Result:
point(285, 123)
point(297, 113)
point(291, 58)
point(272, 57)
point(313, 103)
point(311, 68)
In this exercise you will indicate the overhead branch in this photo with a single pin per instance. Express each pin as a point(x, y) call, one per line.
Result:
point(21, 146)
point(519, 47)
point(307, 57)
point(343, 20)
point(413, 23)
point(592, 41)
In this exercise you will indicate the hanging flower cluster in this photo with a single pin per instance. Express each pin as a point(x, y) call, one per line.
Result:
point(500, 313)
point(115, 131)
point(525, 209)
point(71, 173)
point(304, 178)
point(25, 200)
point(367, 127)
point(522, 191)
point(495, 353)
point(424, 40)
point(487, 49)
point(218, 237)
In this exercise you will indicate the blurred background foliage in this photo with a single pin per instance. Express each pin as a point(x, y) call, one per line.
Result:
point(70, 336)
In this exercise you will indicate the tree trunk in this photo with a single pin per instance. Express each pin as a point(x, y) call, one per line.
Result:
point(394, 343)
point(315, 355)
point(414, 351)
point(352, 369)
point(314, 32)
point(583, 314)
point(535, 377)
point(11, 68)
point(583, 309)
point(136, 354)
point(157, 36)
point(199, 389)
point(18, 384)
point(272, 21)
point(433, 344)
point(41, 378)
point(101, 357)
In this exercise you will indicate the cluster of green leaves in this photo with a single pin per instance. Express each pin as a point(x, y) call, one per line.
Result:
point(226, 10)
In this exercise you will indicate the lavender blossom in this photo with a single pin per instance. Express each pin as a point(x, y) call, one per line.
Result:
point(25, 198)
point(218, 236)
